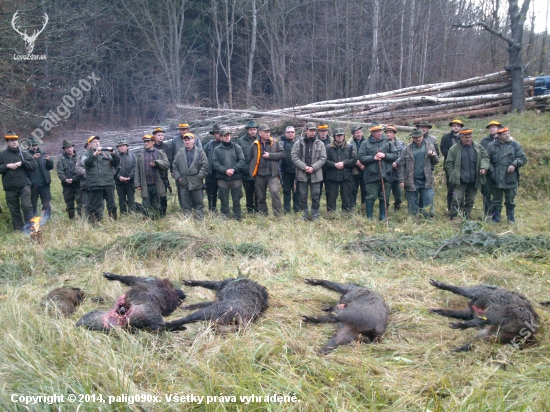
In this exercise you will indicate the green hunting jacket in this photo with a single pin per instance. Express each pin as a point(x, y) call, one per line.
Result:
point(228, 156)
point(366, 154)
point(66, 169)
point(501, 156)
point(99, 169)
point(246, 142)
point(191, 177)
point(454, 158)
point(335, 154)
point(18, 178)
point(269, 165)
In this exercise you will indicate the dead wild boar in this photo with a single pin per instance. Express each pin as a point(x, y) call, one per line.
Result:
point(143, 306)
point(361, 314)
point(62, 302)
point(238, 302)
point(499, 314)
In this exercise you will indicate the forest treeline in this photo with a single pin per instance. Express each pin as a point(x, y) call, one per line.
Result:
point(153, 54)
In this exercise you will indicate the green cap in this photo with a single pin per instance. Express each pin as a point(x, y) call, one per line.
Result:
point(251, 125)
point(355, 127)
point(416, 133)
point(66, 143)
point(264, 127)
point(311, 126)
point(33, 141)
point(339, 131)
point(424, 123)
point(122, 142)
point(223, 132)
point(215, 129)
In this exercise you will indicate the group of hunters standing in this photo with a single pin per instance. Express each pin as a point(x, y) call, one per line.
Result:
point(376, 166)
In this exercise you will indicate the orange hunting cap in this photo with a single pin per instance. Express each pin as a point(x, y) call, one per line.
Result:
point(466, 131)
point(456, 121)
point(158, 130)
point(493, 123)
point(92, 138)
point(190, 135)
point(391, 128)
point(10, 136)
point(375, 126)
point(148, 137)
point(322, 126)
point(503, 130)
point(183, 126)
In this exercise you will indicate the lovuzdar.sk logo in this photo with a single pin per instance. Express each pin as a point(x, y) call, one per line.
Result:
point(29, 39)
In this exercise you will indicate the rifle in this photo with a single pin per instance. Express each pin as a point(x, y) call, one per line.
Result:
point(164, 177)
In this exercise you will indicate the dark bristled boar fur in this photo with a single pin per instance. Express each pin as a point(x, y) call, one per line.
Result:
point(62, 302)
point(238, 302)
point(143, 306)
point(362, 315)
point(499, 314)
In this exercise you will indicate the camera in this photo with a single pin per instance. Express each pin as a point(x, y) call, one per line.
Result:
point(107, 149)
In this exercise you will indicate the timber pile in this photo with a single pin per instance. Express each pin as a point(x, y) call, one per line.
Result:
point(478, 96)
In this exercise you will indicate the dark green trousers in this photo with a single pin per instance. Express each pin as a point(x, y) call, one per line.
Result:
point(19, 203)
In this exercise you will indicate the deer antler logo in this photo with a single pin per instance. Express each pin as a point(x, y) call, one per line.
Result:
point(29, 40)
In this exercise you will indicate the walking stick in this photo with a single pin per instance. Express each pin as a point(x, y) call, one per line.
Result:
point(383, 192)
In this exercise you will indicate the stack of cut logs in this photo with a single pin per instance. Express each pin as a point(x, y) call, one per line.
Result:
point(478, 96)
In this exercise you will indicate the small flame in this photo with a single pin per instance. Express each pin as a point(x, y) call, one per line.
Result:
point(35, 224)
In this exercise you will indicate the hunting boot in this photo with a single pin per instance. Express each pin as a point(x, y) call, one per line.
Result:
point(305, 215)
point(370, 208)
point(510, 214)
point(71, 214)
point(382, 208)
point(113, 214)
point(315, 215)
point(496, 215)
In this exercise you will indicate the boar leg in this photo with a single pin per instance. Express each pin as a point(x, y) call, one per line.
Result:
point(126, 280)
point(337, 287)
point(195, 306)
point(344, 336)
point(208, 284)
point(465, 314)
point(462, 291)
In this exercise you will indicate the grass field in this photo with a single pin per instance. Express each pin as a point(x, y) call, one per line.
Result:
point(411, 369)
